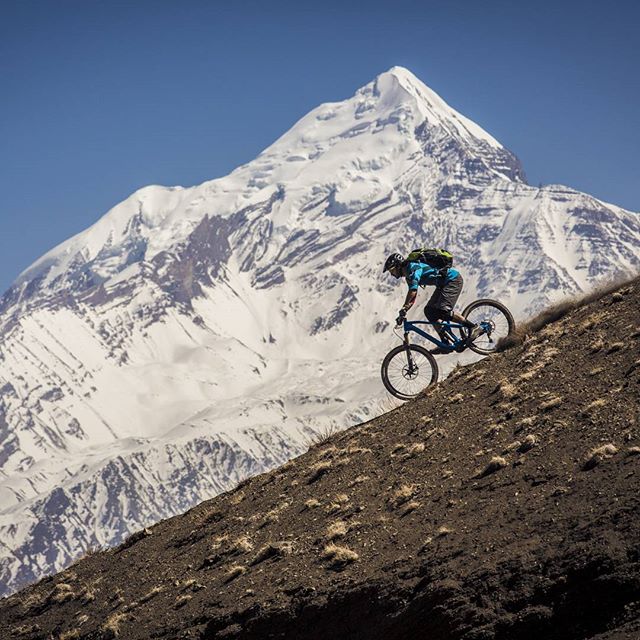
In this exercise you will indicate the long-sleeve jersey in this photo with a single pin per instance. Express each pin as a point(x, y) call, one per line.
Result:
point(423, 275)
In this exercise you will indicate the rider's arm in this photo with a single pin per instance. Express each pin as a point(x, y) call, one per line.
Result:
point(413, 280)
point(410, 299)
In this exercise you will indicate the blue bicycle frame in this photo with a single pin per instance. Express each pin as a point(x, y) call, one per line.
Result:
point(445, 326)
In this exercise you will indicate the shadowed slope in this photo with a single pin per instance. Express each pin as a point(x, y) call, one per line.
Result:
point(504, 504)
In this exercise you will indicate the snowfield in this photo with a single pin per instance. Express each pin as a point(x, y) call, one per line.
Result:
point(195, 336)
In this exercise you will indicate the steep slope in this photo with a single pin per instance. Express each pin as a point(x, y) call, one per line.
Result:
point(501, 505)
point(196, 336)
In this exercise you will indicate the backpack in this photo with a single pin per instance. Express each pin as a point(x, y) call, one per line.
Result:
point(437, 258)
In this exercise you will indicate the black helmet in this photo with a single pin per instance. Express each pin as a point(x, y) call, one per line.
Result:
point(394, 260)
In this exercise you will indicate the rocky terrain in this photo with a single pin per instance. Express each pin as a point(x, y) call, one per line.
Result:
point(502, 504)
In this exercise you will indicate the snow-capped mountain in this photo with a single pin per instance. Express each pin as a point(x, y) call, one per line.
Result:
point(195, 336)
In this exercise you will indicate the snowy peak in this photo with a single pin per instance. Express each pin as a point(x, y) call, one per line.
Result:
point(430, 104)
point(343, 155)
point(396, 107)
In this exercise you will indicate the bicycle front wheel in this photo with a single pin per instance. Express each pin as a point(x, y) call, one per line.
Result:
point(497, 320)
point(407, 370)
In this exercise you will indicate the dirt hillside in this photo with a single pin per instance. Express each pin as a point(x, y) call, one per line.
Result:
point(503, 505)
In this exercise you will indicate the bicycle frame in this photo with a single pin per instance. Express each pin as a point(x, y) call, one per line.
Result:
point(447, 326)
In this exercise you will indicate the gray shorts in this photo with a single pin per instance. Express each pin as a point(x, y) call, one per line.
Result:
point(444, 298)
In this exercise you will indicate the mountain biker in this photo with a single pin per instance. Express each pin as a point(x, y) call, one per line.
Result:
point(448, 283)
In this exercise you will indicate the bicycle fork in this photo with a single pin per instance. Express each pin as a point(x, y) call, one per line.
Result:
point(411, 367)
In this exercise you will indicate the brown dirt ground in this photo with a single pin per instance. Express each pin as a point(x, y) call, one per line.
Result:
point(502, 505)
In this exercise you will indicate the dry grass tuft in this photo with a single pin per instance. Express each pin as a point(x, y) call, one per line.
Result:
point(339, 557)
point(596, 345)
point(401, 495)
point(337, 529)
point(492, 431)
point(340, 501)
point(415, 449)
point(352, 450)
point(506, 389)
point(512, 446)
point(182, 600)
point(241, 545)
point(528, 443)
point(111, 626)
point(456, 399)
point(62, 592)
point(616, 346)
point(88, 595)
point(495, 464)
point(318, 470)
point(358, 480)
point(409, 507)
point(598, 455)
point(530, 374)
point(272, 550)
point(237, 497)
point(269, 518)
point(33, 599)
point(525, 423)
point(233, 572)
point(633, 451)
point(595, 405)
point(218, 542)
point(150, 594)
point(551, 403)
point(72, 634)
point(311, 503)
point(443, 531)
point(322, 435)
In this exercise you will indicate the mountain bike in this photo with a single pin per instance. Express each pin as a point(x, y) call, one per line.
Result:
point(409, 368)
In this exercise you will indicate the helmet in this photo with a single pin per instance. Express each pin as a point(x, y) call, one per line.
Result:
point(393, 261)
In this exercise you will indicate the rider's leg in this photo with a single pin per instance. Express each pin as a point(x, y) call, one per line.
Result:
point(434, 314)
point(444, 299)
point(456, 317)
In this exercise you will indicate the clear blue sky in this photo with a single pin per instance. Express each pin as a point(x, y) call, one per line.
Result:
point(101, 98)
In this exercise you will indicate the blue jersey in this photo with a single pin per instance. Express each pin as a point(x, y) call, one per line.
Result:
point(423, 275)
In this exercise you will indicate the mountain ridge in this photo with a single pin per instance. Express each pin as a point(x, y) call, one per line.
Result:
point(386, 87)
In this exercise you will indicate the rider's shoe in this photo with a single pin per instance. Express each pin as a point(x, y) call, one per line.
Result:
point(439, 351)
point(475, 332)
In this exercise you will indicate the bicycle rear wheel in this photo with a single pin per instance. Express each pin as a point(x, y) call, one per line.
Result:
point(496, 318)
point(407, 370)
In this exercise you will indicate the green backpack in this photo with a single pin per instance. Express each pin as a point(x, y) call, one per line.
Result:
point(437, 258)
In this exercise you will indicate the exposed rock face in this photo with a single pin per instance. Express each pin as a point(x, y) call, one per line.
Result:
point(193, 337)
